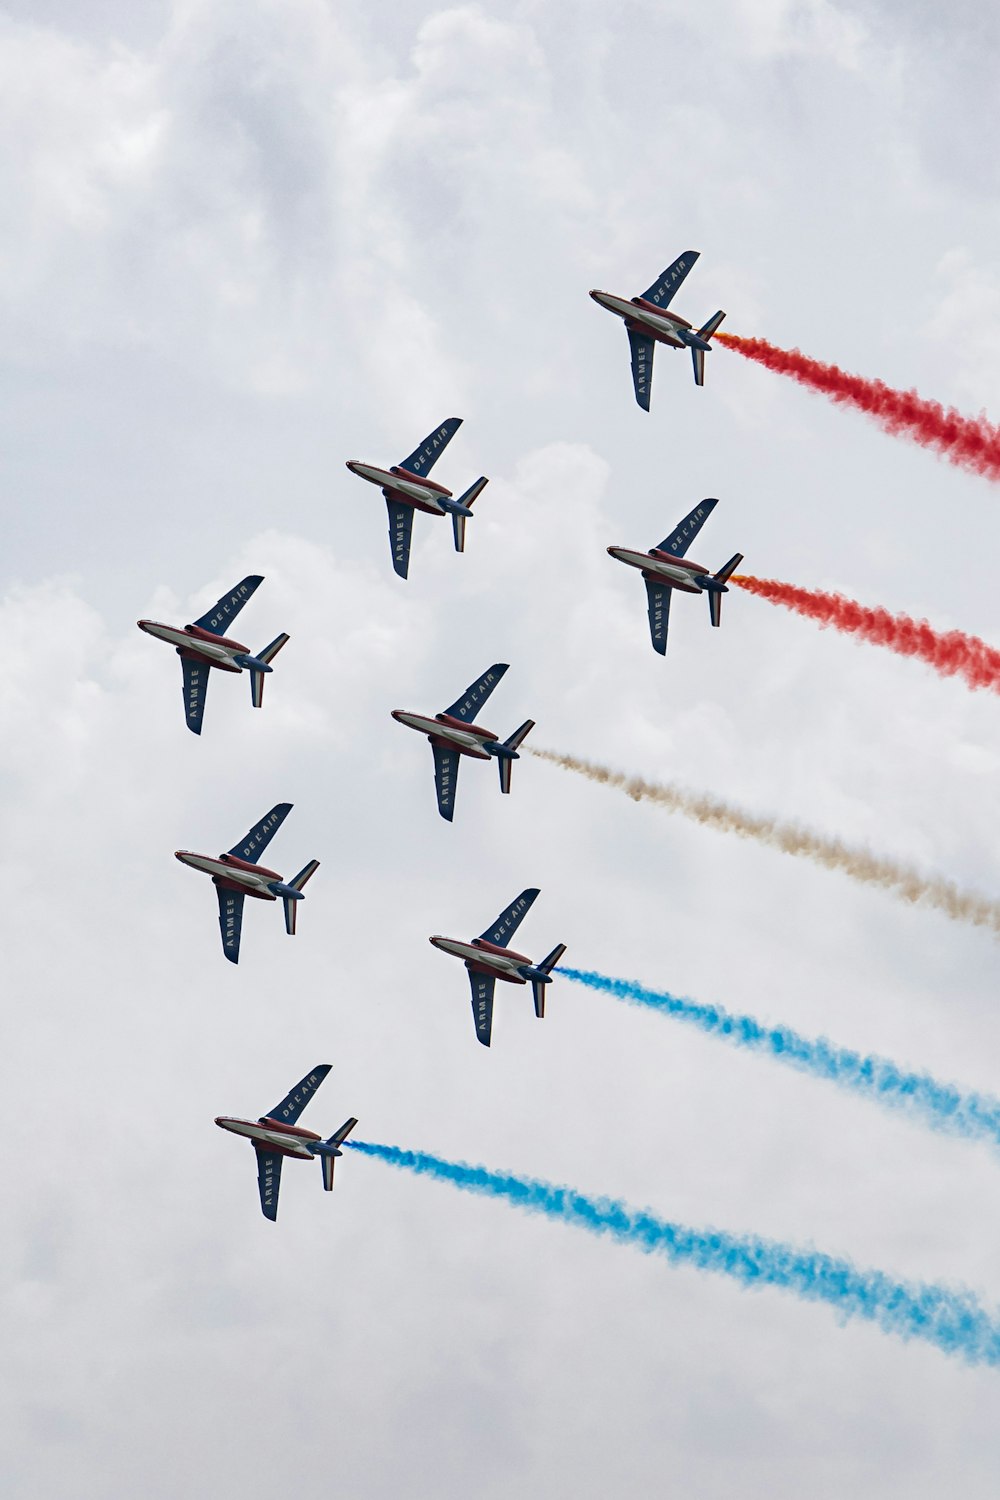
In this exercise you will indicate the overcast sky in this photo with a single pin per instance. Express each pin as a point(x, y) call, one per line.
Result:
point(243, 243)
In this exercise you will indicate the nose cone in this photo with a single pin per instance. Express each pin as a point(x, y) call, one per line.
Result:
point(397, 714)
point(353, 464)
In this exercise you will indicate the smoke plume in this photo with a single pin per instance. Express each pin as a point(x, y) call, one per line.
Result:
point(970, 442)
point(889, 875)
point(951, 652)
point(952, 1320)
point(940, 1105)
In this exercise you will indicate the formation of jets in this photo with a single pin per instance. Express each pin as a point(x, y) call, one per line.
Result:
point(453, 732)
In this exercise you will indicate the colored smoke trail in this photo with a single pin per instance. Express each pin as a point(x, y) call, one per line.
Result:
point(970, 442)
point(952, 1320)
point(889, 875)
point(951, 653)
point(940, 1105)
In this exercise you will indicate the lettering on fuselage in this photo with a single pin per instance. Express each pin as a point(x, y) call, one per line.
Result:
point(194, 692)
point(229, 606)
point(231, 935)
point(641, 368)
point(428, 451)
point(688, 529)
point(267, 1180)
point(676, 272)
point(399, 537)
point(475, 694)
point(507, 921)
point(306, 1087)
point(259, 834)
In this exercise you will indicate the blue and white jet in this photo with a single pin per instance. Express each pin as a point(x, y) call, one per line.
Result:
point(663, 571)
point(203, 645)
point(453, 733)
point(648, 324)
point(488, 959)
point(276, 1135)
point(406, 488)
point(237, 875)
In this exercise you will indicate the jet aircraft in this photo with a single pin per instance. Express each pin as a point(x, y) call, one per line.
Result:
point(488, 959)
point(276, 1135)
point(237, 874)
point(648, 324)
point(453, 733)
point(663, 570)
point(406, 488)
point(202, 645)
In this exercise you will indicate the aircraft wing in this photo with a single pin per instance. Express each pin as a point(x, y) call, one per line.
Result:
point(424, 457)
point(257, 840)
point(296, 1099)
point(642, 347)
point(230, 922)
point(483, 986)
point(472, 700)
point(681, 538)
point(446, 761)
point(658, 595)
point(400, 532)
point(509, 921)
point(666, 284)
point(268, 1181)
point(195, 688)
point(228, 607)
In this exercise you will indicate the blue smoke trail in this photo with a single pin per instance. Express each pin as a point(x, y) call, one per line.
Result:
point(941, 1105)
point(952, 1320)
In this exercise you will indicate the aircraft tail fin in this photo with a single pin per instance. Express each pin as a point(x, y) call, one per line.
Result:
point(458, 521)
point(505, 763)
point(698, 360)
point(328, 1156)
point(291, 902)
point(257, 678)
point(715, 595)
point(538, 985)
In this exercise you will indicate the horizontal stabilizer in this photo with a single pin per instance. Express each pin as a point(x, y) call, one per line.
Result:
point(709, 328)
point(538, 991)
point(340, 1136)
point(698, 360)
point(257, 678)
point(728, 569)
point(548, 964)
point(715, 607)
point(505, 763)
point(328, 1163)
point(290, 903)
point(458, 530)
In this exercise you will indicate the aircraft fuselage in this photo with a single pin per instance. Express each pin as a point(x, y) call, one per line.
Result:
point(645, 317)
point(200, 645)
point(675, 572)
point(486, 957)
point(233, 873)
point(271, 1135)
point(400, 484)
point(454, 734)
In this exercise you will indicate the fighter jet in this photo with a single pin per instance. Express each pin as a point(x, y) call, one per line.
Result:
point(649, 324)
point(202, 645)
point(237, 874)
point(488, 959)
point(663, 570)
point(406, 488)
point(276, 1135)
point(453, 734)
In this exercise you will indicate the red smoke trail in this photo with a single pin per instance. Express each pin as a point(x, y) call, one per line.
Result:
point(970, 442)
point(953, 653)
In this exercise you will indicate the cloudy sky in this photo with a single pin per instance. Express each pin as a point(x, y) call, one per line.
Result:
point(244, 242)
